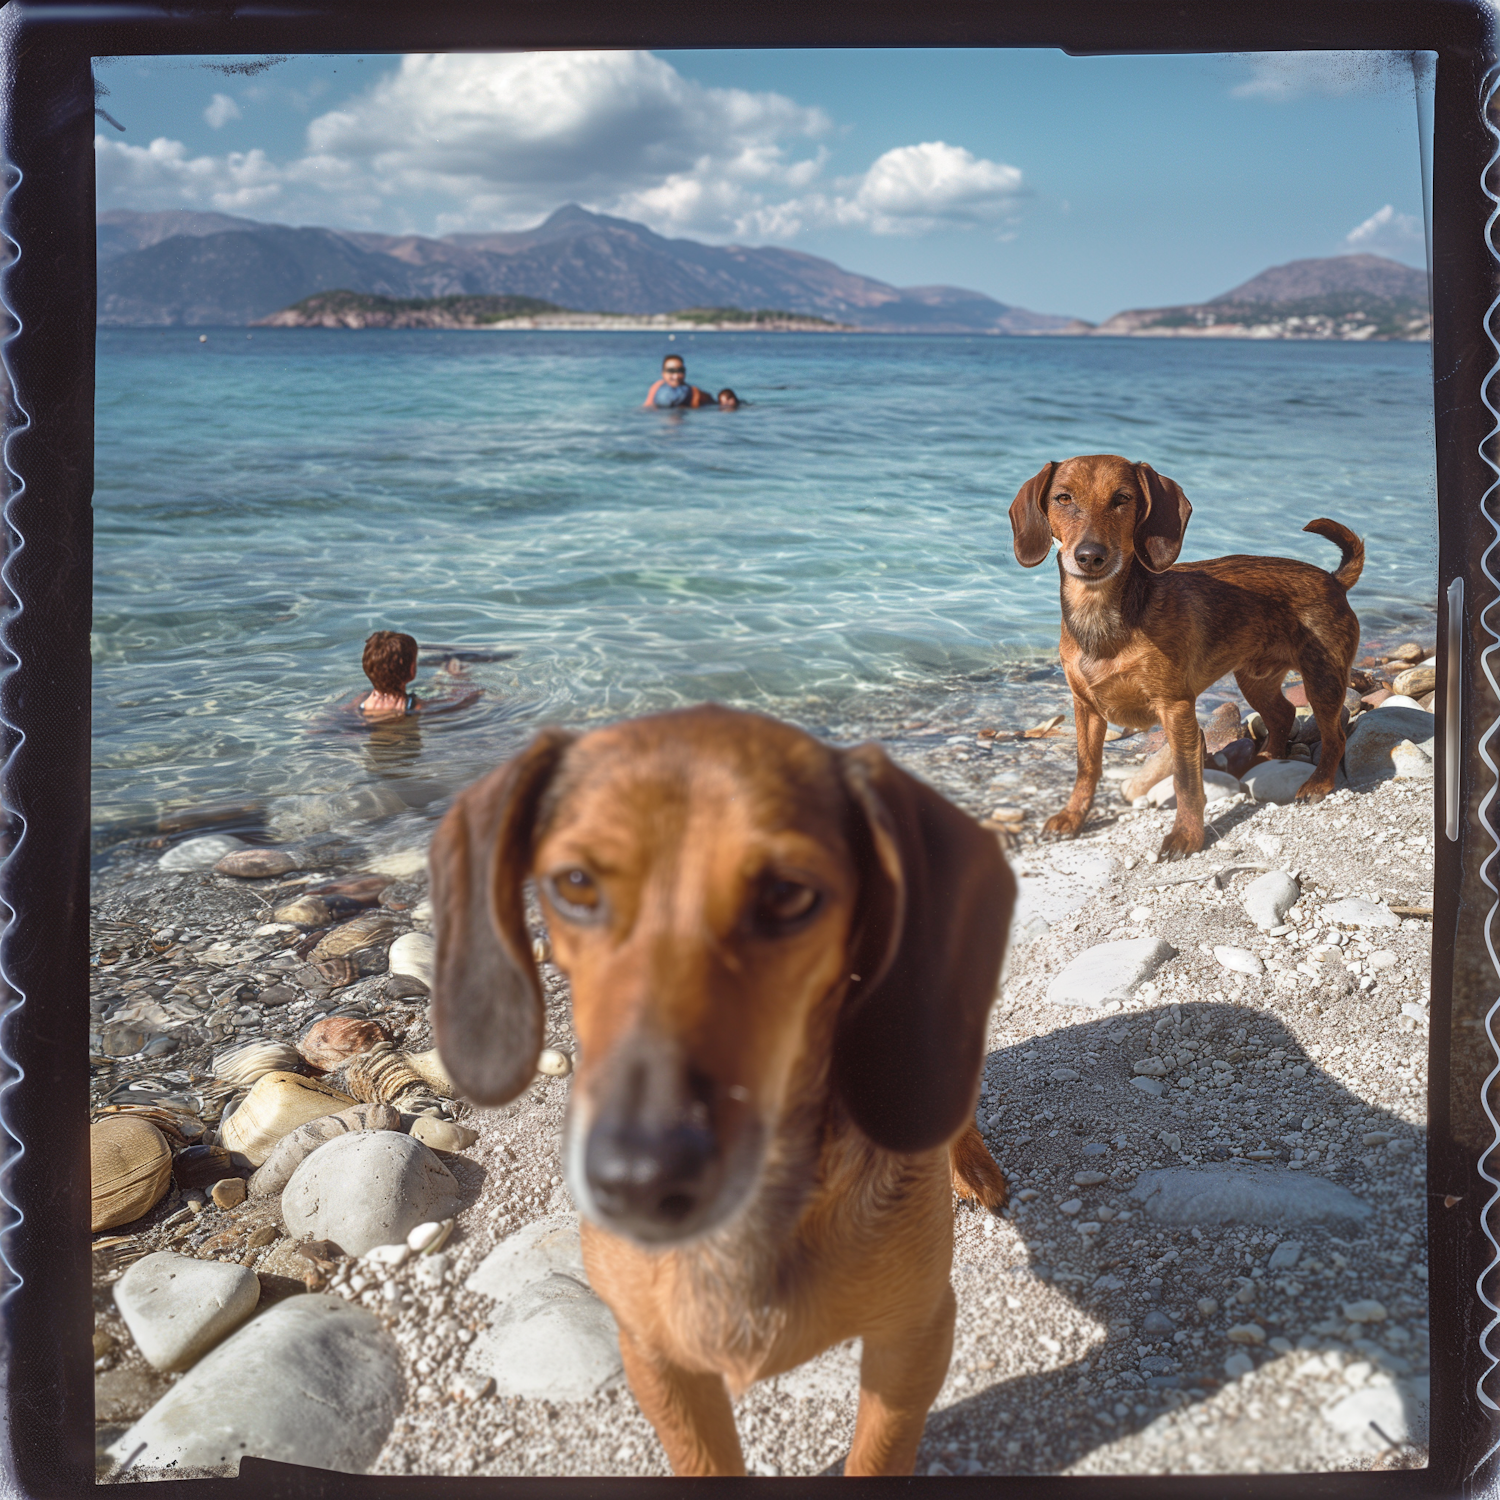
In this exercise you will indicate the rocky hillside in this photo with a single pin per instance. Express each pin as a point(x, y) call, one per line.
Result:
point(203, 269)
point(1352, 297)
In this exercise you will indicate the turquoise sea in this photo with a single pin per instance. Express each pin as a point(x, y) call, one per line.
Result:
point(836, 552)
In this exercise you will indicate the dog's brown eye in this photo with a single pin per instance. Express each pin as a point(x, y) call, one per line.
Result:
point(785, 901)
point(1120, 500)
point(574, 892)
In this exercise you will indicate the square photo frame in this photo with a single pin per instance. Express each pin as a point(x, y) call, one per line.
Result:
point(49, 291)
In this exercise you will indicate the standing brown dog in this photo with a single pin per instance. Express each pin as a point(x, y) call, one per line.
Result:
point(782, 957)
point(1141, 639)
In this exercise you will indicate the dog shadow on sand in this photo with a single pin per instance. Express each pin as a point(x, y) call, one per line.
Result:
point(1144, 1346)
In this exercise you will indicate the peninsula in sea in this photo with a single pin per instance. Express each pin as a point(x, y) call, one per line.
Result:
point(580, 270)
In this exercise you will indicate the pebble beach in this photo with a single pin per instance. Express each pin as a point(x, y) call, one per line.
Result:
point(1205, 1082)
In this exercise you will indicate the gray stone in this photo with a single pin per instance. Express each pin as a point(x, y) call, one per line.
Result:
point(1392, 740)
point(1240, 960)
point(1367, 1311)
point(1276, 780)
point(550, 1337)
point(1109, 971)
point(1238, 1364)
point(1269, 899)
point(177, 1307)
point(293, 1149)
point(1152, 1086)
point(311, 1381)
point(1355, 911)
point(366, 1189)
point(1244, 1195)
point(1157, 1364)
point(1158, 1322)
point(1285, 1256)
point(200, 853)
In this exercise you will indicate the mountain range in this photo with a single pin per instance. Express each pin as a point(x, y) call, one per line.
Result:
point(178, 267)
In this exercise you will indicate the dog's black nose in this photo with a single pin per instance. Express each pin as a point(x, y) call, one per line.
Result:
point(652, 1159)
point(1090, 556)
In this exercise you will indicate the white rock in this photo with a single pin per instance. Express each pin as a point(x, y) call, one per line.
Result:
point(1109, 971)
point(1060, 882)
point(1276, 780)
point(550, 1337)
point(311, 1381)
point(554, 1062)
point(1270, 844)
point(1149, 1067)
point(1241, 960)
point(366, 1189)
point(1246, 1333)
point(177, 1307)
point(1071, 1206)
point(1382, 958)
point(1396, 739)
point(1412, 1009)
point(399, 863)
point(1244, 1195)
point(387, 1255)
point(1269, 899)
point(1065, 1075)
point(200, 853)
point(412, 955)
point(1399, 1411)
point(1285, 1256)
point(1153, 1086)
point(1238, 1363)
point(1216, 786)
point(1367, 1311)
point(1355, 911)
point(1405, 700)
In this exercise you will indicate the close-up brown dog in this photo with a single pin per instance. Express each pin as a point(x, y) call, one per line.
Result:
point(782, 957)
point(1143, 635)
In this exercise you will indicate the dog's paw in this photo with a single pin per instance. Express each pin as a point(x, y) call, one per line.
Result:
point(1310, 793)
point(1179, 843)
point(1063, 825)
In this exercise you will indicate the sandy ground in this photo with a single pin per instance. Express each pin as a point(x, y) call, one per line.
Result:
point(1298, 1066)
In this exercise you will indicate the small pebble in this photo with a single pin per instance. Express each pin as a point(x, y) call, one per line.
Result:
point(1246, 1333)
point(554, 1062)
point(1238, 1364)
point(228, 1192)
point(1367, 1311)
point(1071, 1206)
point(1208, 1306)
point(1090, 1179)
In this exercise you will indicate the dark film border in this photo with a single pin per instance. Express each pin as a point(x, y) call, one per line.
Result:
point(47, 286)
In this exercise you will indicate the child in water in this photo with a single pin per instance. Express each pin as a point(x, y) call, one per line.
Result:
point(390, 662)
point(673, 390)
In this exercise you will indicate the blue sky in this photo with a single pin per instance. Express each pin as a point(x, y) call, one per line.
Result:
point(1066, 185)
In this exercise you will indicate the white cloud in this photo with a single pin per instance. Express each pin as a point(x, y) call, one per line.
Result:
point(1386, 232)
point(467, 141)
point(1294, 75)
point(221, 111)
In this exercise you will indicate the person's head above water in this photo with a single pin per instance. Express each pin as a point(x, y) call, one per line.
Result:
point(390, 661)
point(673, 370)
point(727, 399)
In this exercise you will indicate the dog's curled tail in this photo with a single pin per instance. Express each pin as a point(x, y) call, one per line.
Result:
point(1346, 575)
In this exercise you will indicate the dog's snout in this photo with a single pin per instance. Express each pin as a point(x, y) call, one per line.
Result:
point(1090, 556)
point(652, 1159)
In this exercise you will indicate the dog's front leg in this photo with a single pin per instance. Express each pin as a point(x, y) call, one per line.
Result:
point(1090, 727)
point(900, 1375)
point(690, 1412)
point(1186, 739)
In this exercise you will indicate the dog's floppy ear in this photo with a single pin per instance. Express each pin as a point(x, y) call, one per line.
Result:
point(1158, 534)
point(935, 904)
point(1028, 521)
point(487, 1012)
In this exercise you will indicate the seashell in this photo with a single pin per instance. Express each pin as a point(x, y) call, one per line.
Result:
point(348, 968)
point(364, 889)
point(554, 1063)
point(384, 1075)
point(305, 911)
point(436, 1076)
point(251, 1061)
point(275, 1107)
point(428, 1239)
point(443, 1135)
point(203, 1165)
point(293, 1149)
point(335, 1039)
point(255, 864)
point(130, 1166)
point(361, 932)
point(179, 1129)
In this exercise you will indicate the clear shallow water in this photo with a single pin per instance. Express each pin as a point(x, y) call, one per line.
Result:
point(263, 503)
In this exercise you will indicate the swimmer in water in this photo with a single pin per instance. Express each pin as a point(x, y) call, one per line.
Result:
point(390, 662)
point(728, 401)
point(673, 390)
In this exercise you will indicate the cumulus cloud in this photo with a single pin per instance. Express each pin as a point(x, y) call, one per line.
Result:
point(221, 111)
point(1294, 75)
point(1386, 232)
point(466, 141)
